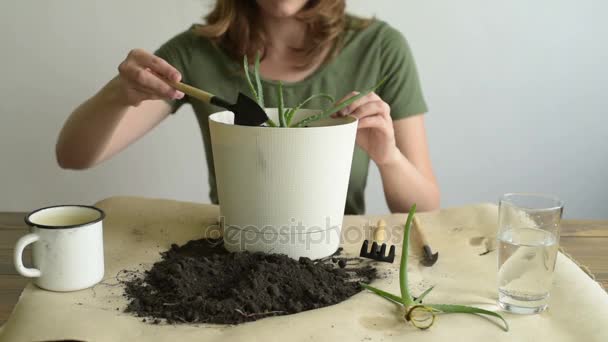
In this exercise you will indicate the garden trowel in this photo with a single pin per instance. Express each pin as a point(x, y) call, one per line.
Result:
point(428, 257)
point(246, 111)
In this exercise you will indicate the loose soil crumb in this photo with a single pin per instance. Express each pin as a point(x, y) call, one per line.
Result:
point(200, 282)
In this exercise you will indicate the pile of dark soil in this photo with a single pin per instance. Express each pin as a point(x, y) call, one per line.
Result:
point(200, 282)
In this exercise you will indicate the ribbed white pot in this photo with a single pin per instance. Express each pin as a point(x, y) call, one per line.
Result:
point(282, 190)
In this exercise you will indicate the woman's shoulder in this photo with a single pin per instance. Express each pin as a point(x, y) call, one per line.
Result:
point(371, 31)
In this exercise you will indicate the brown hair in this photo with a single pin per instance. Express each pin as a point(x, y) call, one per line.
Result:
point(234, 26)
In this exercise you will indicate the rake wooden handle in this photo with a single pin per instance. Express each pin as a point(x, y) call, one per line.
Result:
point(380, 231)
point(192, 91)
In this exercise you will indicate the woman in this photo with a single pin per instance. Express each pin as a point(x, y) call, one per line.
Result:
point(310, 45)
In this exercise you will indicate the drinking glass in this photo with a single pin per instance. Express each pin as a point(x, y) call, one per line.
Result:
point(528, 240)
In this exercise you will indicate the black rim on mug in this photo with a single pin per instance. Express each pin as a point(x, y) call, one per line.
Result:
point(102, 215)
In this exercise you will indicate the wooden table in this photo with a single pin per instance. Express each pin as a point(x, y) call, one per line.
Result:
point(586, 241)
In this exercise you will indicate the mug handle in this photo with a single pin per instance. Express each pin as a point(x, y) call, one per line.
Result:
point(18, 256)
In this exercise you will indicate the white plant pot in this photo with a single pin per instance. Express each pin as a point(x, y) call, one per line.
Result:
point(282, 190)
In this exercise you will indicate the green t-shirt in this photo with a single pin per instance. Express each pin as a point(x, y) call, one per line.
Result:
point(367, 55)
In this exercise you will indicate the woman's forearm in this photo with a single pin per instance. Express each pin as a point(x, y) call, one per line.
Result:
point(125, 109)
point(89, 129)
point(404, 185)
point(106, 124)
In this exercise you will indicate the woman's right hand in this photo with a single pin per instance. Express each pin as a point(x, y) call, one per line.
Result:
point(140, 78)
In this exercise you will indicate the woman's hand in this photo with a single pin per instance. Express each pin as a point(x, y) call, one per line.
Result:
point(140, 78)
point(375, 134)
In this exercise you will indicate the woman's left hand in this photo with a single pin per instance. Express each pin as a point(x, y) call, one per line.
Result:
point(375, 134)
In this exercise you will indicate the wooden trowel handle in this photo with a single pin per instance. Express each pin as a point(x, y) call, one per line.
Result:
point(191, 91)
point(420, 234)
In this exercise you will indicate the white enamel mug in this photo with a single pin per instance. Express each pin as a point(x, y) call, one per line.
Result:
point(67, 247)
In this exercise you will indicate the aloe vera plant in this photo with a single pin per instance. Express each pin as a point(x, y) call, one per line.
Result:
point(286, 115)
point(414, 311)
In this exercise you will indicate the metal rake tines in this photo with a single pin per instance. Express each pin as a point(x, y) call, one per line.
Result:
point(377, 253)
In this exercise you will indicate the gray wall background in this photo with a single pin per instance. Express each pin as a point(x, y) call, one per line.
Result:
point(516, 91)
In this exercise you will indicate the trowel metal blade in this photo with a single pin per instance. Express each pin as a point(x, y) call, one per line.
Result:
point(247, 112)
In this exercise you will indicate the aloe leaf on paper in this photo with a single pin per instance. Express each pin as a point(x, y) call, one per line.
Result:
point(453, 308)
point(406, 298)
point(422, 316)
point(421, 297)
point(389, 296)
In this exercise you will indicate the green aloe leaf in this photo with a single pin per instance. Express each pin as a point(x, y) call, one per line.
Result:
point(337, 107)
point(251, 87)
point(389, 296)
point(426, 292)
point(292, 111)
point(405, 292)
point(258, 82)
point(452, 308)
point(326, 113)
point(282, 121)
